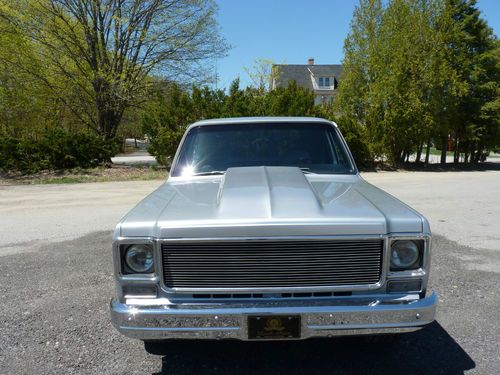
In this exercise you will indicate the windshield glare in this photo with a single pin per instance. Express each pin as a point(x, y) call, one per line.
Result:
point(316, 148)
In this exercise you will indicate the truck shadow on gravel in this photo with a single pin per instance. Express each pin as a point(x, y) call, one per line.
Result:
point(430, 350)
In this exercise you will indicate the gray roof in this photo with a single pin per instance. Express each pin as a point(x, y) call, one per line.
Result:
point(302, 73)
point(263, 119)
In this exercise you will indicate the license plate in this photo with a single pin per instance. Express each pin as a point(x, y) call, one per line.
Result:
point(274, 327)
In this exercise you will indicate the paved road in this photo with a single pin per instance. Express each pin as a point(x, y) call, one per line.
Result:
point(56, 281)
point(463, 206)
point(32, 215)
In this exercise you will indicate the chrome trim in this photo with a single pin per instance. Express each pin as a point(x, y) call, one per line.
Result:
point(422, 272)
point(358, 287)
point(157, 277)
point(151, 279)
point(144, 321)
point(146, 277)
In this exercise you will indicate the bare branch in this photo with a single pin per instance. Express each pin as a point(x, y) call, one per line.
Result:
point(107, 48)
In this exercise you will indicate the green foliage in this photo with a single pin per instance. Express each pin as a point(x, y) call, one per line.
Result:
point(417, 71)
point(96, 58)
point(356, 137)
point(476, 129)
point(292, 100)
point(261, 74)
point(354, 133)
point(55, 149)
point(22, 98)
point(171, 110)
point(86, 66)
point(164, 144)
point(416, 74)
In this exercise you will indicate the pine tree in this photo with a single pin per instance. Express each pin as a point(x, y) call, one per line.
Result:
point(476, 129)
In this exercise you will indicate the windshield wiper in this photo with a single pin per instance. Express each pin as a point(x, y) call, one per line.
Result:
point(208, 173)
point(213, 173)
point(306, 171)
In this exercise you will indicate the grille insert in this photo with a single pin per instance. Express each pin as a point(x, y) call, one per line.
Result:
point(274, 295)
point(271, 263)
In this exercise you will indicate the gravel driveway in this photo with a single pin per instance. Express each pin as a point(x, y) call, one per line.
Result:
point(56, 282)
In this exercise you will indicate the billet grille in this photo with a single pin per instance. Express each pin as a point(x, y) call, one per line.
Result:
point(271, 263)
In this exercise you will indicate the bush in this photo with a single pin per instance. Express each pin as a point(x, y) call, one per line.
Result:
point(164, 145)
point(55, 149)
point(357, 140)
point(167, 115)
point(355, 134)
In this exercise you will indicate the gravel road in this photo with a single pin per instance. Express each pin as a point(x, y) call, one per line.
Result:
point(56, 282)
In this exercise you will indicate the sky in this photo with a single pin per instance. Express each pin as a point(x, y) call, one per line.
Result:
point(291, 31)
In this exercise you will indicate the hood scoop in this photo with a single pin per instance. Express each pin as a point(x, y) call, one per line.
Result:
point(266, 192)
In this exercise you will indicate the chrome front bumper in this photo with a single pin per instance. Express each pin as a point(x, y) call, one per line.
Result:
point(159, 319)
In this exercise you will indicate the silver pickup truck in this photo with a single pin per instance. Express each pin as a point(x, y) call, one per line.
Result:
point(265, 230)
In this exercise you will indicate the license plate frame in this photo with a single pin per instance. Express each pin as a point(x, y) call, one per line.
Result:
point(274, 327)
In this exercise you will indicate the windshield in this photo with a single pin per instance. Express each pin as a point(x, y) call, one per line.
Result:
point(212, 149)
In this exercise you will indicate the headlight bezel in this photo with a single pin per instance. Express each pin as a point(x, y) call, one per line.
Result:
point(126, 268)
point(424, 241)
point(420, 265)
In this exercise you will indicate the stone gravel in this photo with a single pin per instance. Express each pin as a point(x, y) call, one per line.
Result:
point(56, 282)
point(54, 319)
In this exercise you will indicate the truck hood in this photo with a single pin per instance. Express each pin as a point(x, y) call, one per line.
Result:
point(268, 201)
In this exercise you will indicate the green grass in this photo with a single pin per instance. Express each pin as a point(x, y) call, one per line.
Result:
point(435, 151)
point(100, 174)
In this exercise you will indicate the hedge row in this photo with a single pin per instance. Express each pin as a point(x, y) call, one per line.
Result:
point(55, 149)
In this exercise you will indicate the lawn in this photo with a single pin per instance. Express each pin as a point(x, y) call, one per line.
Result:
point(99, 174)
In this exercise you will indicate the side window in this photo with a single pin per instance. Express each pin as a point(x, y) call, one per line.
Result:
point(327, 81)
point(321, 83)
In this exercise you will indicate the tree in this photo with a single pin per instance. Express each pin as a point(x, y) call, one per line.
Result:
point(172, 108)
point(358, 65)
point(262, 74)
point(359, 69)
point(236, 103)
point(400, 79)
point(417, 87)
point(108, 49)
point(22, 98)
point(292, 100)
point(477, 58)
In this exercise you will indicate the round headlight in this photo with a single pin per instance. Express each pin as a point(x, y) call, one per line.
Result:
point(404, 254)
point(139, 258)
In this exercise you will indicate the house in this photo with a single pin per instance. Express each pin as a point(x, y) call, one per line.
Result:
point(322, 79)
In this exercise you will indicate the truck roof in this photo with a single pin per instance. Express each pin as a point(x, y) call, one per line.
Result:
point(254, 120)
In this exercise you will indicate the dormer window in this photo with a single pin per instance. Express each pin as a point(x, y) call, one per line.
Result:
point(324, 82)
